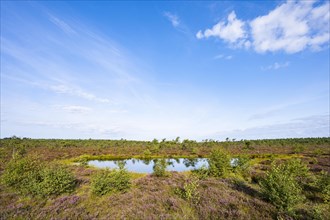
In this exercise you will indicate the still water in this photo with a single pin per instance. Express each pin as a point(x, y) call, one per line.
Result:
point(146, 166)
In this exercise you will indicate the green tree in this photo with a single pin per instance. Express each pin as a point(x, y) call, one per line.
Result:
point(281, 184)
point(219, 163)
point(159, 168)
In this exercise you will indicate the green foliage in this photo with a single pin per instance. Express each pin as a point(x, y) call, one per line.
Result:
point(323, 185)
point(159, 168)
point(194, 150)
point(19, 151)
point(314, 161)
point(202, 172)
point(281, 186)
point(155, 141)
point(241, 167)
point(147, 153)
point(29, 176)
point(318, 152)
point(189, 191)
point(83, 160)
point(247, 145)
point(22, 175)
point(56, 179)
point(298, 170)
point(219, 163)
point(240, 163)
point(299, 148)
point(110, 181)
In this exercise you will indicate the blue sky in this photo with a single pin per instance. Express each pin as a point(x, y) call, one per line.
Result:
point(144, 70)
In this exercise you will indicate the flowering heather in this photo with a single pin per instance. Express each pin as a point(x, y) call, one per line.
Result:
point(151, 197)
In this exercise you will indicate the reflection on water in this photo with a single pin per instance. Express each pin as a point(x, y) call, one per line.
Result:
point(146, 166)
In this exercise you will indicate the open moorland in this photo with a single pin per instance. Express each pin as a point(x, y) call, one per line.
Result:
point(269, 179)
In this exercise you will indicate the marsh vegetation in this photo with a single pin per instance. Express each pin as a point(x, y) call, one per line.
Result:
point(257, 179)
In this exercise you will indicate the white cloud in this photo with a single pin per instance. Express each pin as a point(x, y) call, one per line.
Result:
point(291, 27)
point(230, 31)
point(87, 128)
point(312, 126)
point(276, 66)
point(64, 89)
point(174, 19)
point(199, 34)
point(75, 109)
point(222, 56)
point(61, 24)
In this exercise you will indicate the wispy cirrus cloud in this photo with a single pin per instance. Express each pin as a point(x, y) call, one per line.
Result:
point(87, 128)
point(64, 89)
point(79, 72)
point(291, 27)
point(74, 108)
point(223, 56)
point(70, 65)
point(174, 19)
point(177, 23)
point(275, 66)
point(311, 126)
point(62, 25)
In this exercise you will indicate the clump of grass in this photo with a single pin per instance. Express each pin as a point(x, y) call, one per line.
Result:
point(109, 181)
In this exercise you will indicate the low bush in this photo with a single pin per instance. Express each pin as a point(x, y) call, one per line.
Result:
point(22, 175)
point(281, 185)
point(241, 166)
point(202, 172)
point(29, 176)
point(110, 181)
point(219, 163)
point(147, 153)
point(323, 185)
point(159, 168)
point(298, 170)
point(189, 191)
point(55, 180)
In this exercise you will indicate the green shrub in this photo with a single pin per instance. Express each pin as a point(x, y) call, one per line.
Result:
point(297, 169)
point(18, 151)
point(56, 179)
point(189, 191)
point(202, 172)
point(159, 168)
point(22, 175)
point(298, 148)
point(29, 176)
point(147, 153)
point(281, 186)
point(241, 165)
point(110, 181)
point(219, 163)
point(323, 185)
point(83, 160)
